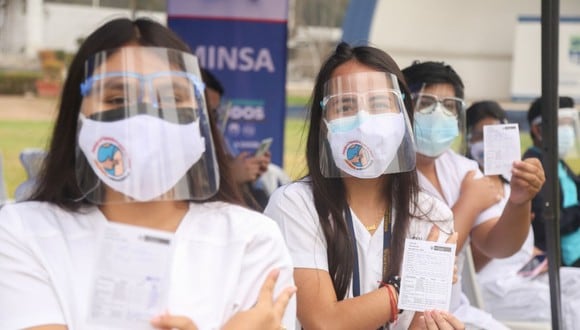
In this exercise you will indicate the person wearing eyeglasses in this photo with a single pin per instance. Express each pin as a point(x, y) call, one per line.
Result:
point(438, 95)
point(135, 222)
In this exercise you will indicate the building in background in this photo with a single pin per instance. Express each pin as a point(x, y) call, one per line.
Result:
point(477, 38)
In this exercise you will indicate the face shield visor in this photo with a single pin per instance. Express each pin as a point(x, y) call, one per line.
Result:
point(365, 131)
point(568, 133)
point(144, 132)
point(439, 122)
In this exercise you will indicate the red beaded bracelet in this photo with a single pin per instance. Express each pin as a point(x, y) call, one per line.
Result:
point(393, 303)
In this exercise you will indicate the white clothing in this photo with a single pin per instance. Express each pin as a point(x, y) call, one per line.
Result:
point(292, 207)
point(509, 296)
point(273, 178)
point(222, 256)
point(451, 168)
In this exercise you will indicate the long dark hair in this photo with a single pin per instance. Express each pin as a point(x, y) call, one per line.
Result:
point(329, 193)
point(57, 182)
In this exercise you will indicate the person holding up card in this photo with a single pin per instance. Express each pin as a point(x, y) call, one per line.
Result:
point(499, 232)
point(134, 222)
point(568, 181)
point(347, 221)
point(516, 288)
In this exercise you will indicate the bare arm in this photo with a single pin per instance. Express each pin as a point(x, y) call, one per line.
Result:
point(319, 308)
point(500, 238)
point(49, 327)
point(476, 195)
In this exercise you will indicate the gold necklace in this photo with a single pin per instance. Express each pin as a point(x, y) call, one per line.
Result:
point(371, 228)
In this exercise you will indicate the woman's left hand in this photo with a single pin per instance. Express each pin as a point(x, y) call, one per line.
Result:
point(170, 322)
point(527, 180)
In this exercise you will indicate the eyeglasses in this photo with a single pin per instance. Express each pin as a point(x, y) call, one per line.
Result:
point(426, 103)
point(164, 89)
point(349, 104)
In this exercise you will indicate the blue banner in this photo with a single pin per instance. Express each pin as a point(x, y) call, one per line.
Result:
point(243, 43)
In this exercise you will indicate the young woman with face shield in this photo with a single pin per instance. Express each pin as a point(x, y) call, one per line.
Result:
point(346, 222)
point(133, 147)
point(456, 180)
point(508, 293)
point(568, 181)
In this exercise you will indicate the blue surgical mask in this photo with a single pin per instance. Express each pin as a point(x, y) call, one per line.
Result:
point(566, 137)
point(435, 132)
point(345, 124)
point(476, 152)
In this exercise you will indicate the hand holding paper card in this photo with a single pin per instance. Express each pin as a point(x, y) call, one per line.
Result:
point(426, 275)
point(501, 147)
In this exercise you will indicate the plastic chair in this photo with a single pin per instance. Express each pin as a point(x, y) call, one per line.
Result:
point(31, 160)
point(471, 289)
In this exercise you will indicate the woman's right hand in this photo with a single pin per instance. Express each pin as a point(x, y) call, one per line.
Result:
point(268, 312)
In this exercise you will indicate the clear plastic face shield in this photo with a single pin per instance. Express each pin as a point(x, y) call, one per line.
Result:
point(439, 120)
point(365, 131)
point(568, 133)
point(144, 132)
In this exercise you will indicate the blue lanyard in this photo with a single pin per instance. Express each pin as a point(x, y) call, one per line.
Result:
point(386, 245)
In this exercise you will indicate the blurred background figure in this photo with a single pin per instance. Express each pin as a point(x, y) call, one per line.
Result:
point(509, 294)
point(256, 175)
point(568, 125)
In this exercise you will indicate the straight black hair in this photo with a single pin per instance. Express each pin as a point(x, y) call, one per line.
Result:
point(57, 182)
point(329, 193)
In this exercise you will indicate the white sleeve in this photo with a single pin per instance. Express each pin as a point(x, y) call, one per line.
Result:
point(292, 208)
point(27, 297)
point(491, 212)
point(266, 251)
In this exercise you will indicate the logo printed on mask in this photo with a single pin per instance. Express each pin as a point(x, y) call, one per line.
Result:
point(111, 159)
point(357, 155)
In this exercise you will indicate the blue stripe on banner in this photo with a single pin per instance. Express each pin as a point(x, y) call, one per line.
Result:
point(357, 21)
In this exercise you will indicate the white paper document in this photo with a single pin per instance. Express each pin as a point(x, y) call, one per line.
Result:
point(131, 277)
point(426, 276)
point(501, 147)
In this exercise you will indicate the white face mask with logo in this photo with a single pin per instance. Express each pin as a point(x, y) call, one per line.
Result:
point(366, 148)
point(141, 166)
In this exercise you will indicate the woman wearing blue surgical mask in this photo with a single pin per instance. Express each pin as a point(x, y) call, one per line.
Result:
point(346, 222)
point(134, 171)
point(497, 231)
point(507, 292)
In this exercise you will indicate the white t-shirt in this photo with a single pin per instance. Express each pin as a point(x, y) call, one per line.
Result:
point(47, 256)
point(451, 168)
point(292, 207)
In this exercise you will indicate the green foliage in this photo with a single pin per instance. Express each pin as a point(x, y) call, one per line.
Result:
point(297, 100)
point(294, 147)
point(18, 82)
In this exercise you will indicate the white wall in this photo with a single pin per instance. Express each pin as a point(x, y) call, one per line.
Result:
point(54, 26)
point(13, 28)
point(476, 37)
point(64, 24)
